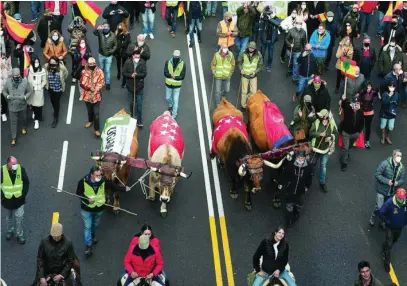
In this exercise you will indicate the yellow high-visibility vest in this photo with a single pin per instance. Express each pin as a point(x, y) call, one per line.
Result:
point(249, 67)
point(9, 190)
point(171, 3)
point(177, 72)
point(223, 66)
point(317, 126)
point(98, 197)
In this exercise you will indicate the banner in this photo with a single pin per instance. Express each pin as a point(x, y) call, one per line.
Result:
point(117, 134)
point(281, 7)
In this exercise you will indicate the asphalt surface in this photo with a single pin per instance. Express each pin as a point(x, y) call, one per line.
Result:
point(326, 244)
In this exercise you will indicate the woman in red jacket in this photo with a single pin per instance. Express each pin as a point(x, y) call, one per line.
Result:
point(143, 260)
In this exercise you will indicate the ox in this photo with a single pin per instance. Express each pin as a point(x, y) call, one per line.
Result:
point(165, 146)
point(114, 165)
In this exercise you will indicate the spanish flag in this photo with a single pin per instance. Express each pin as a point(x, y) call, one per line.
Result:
point(89, 10)
point(360, 3)
point(322, 17)
point(348, 67)
point(398, 6)
point(389, 13)
point(18, 31)
point(27, 61)
point(181, 9)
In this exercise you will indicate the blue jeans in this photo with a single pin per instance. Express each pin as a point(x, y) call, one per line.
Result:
point(213, 5)
point(171, 23)
point(148, 21)
point(91, 221)
point(364, 19)
point(323, 161)
point(198, 24)
point(139, 103)
point(302, 83)
point(284, 274)
point(106, 65)
point(172, 96)
point(241, 44)
point(380, 25)
point(293, 68)
point(389, 123)
point(35, 8)
point(269, 45)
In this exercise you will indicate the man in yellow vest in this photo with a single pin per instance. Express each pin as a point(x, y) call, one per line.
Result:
point(171, 15)
point(250, 64)
point(223, 66)
point(322, 135)
point(227, 31)
point(14, 189)
point(174, 72)
point(92, 186)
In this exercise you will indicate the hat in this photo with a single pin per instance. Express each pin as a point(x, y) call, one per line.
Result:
point(317, 79)
point(17, 16)
point(330, 14)
point(401, 194)
point(307, 98)
point(15, 72)
point(143, 241)
point(251, 45)
point(228, 14)
point(323, 113)
point(92, 61)
point(176, 53)
point(56, 229)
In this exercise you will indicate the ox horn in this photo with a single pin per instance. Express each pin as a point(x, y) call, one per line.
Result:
point(95, 157)
point(154, 169)
point(322, 152)
point(274, 166)
point(242, 170)
point(186, 176)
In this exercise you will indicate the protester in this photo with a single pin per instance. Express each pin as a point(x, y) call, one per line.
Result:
point(353, 85)
point(195, 14)
point(47, 23)
point(286, 25)
point(55, 46)
point(114, 15)
point(395, 30)
point(318, 90)
point(315, 9)
point(140, 44)
point(227, 31)
point(14, 189)
point(388, 112)
point(320, 41)
point(58, 9)
point(349, 29)
point(77, 31)
point(295, 40)
point(365, 57)
point(365, 276)
point(147, 10)
point(304, 115)
point(81, 56)
point(92, 82)
point(123, 41)
point(333, 30)
point(245, 20)
point(171, 15)
point(345, 50)
point(174, 72)
point(388, 57)
point(368, 97)
point(353, 17)
point(396, 76)
point(268, 27)
point(307, 67)
point(5, 67)
point(365, 14)
point(37, 79)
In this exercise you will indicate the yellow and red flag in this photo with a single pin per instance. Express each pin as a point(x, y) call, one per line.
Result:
point(360, 3)
point(27, 61)
point(398, 5)
point(18, 31)
point(322, 17)
point(389, 14)
point(181, 9)
point(89, 10)
point(348, 67)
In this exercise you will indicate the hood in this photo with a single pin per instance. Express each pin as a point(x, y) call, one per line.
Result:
point(79, 19)
point(61, 39)
point(386, 47)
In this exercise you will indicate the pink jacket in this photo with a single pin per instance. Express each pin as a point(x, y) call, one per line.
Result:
point(63, 7)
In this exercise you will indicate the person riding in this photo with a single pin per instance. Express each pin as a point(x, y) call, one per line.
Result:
point(55, 257)
point(143, 260)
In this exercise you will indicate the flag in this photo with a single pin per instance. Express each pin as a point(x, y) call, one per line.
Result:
point(18, 31)
point(27, 61)
point(398, 6)
point(360, 3)
point(90, 11)
point(387, 17)
point(348, 67)
point(181, 9)
point(322, 17)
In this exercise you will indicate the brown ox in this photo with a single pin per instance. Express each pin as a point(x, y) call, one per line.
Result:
point(115, 169)
point(233, 149)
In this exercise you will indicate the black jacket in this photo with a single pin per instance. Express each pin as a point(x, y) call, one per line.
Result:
point(399, 35)
point(42, 28)
point(296, 179)
point(352, 122)
point(366, 64)
point(307, 65)
point(298, 37)
point(141, 71)
point(15, 203)
point(55, 257)
point(123, 42)
point(145, 54)
point(320, 98)
point(189, 12)
point(270, 263)
point(116, 18)
point(168, 75)
point(143, 7)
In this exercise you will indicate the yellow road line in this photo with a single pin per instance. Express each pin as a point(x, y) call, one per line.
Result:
point(226, 251)
point(393, 276)
point(55, 217)
point(215, 248)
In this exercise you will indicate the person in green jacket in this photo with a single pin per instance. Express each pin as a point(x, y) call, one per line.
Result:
point(365, 276)
point(304, 115)
point(245, 20)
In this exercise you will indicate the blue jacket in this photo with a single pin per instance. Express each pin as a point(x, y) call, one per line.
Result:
point(389, 105)
point(393, 215)
point(323, 45)
point(384, 173)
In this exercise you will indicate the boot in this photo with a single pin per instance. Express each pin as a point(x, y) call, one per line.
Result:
point(383, 136)
point(94, 239)
point(54, 123)
point(21, 240)
point(388, 140)
point(9, 235)
point(324, 188)
point(88, 250)
point(140, 122)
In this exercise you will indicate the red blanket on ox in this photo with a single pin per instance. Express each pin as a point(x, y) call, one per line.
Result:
point(277, 131)
point(165, 130)
point(223, 125)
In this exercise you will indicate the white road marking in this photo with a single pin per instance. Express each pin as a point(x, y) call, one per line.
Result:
point(62, 167)
point(70, 105)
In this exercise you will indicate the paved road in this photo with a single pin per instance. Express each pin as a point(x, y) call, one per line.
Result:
point(326, 244)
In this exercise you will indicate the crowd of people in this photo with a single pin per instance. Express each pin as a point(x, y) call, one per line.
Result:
point(309, 33)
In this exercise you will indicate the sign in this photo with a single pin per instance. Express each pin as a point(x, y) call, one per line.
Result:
point(281, 7)
point(117, 134)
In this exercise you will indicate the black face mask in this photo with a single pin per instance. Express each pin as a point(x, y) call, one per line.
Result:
point(175, 60)
point(230, 20)
point(366, 45)
point(92, 67)
point(120, 30)
point(394, 24)
point(53, 66)
point(16, 78)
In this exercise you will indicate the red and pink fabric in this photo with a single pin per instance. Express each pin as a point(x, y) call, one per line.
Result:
point(223, 125)
point(277, 131)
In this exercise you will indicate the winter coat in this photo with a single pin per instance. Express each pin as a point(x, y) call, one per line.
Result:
point(153, 263)
point(373, 281)
point(385, 62)
point(353, 86)
point(367, 100)
point(270, 263)
point(316, 133)
point(296, 179)
point(51, 49)
point(298, 37)
point(63, 6)
point(343, 51)
point(352, 34)
point(14, 203)
point(307, 65)
point(77, 32)
point(145, 54)
point(392, 215)
point(115, 19)
point(245, 21)
point(143, 7)
point(63, 72)
point(320, 98)
point(268, 28)
point(333, 30)
point(323, 44)
point(385, 172)
point(141, 70)
point(44, 29)
point(366, 64)
point(353, 19)
point(399, 35)
point(77, 56)
point(17, 97)
point(89, 79)
point(353, 122)
point(55, 257)
point(123, 42)
point(199, 12)
point(38, 81)
point(304, 122)
point(107, 45)
point(256, 54)
point(389, 105)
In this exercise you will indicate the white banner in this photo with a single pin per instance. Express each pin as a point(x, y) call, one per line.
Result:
point(281, 7)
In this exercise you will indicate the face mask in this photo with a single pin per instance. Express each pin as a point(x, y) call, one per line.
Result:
point(392, 48)
point(120, 30)
point(230, 20)
point(400, 202)
point(397, 159)
point(136, 60)
point(299, 161)
point(348, 27)
point(97, 180)
point(36, 65)
point(225, 51)
point(83, 45)
point(347, 44)
point(391, 89)
point(92, 68)
point(16, 79)
point(294, 16)
point(356, 75)
point(303, 6)
point(330, 19)
point(1, 33)
point(394, 24)
point(366, 45)
point(298, 27)
point(14, 167)
point(106, 31)
point(55, 38)
point(140, 44)
point(317, 85)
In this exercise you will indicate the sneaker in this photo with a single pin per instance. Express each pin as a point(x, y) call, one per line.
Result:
point(88, 250)
point(23, 131)
point(74, 80)
point(88, 124)
point(367, 144)
point(21, 240)
point(13, 142)
point(269, 69)
point(151, 36)
point(123, 85)
point(9, 235)
point(4, 117)
point(35, 19)
point(378, 34)
point(80, 98)
point(36, 124)
point(282, 60)
point(383, 225)
point(140, 123)
point(97, 133)
point(33, 116)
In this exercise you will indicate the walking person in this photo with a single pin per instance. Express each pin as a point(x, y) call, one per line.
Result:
point(92, 186)
point(58, 9)
point(345, 49)
point(227, 31)
point(286, 25)
point(56, 75)
point(147, 10)
point(140, 44)
point(388, 112)
point(107, 48)
point(320, 41)
point(295, 40)
point(307, 67)
point(390, 174)
point(365, 58)
point(245, 21)
point(77, 31)
point(92, 82)
point(174, 72)
point(81, 55)
point(318, 90)
point(365, 276)
point(14, 189)
point(123, 41)
point(47, 23)
point(303, 117)
point(37, 79)
point(135, 71)
point(368, 97)
point(55, 46)
point(171, 15)
point(16, 91)
point(195, 14)
point(250, 64)
point(353, 85)
point(115, 14)
point(5, 67)
point(333, 30)
point(222, 66)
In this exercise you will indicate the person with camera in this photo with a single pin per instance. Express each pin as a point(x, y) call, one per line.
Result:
point(268, 27)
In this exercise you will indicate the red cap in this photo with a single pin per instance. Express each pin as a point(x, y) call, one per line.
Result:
point(317, 79)
point(401, 194)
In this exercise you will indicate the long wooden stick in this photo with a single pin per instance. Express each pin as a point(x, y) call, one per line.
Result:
point(75, 195)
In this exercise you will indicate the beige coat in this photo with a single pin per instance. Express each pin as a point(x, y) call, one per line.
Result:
point(38, 81)
point(343, 52)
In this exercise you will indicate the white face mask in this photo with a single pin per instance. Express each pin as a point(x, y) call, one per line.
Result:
point(136, 60)
point(392, 48)
point(1, 33)
point(36, 65)
point(97, 180)
point(14, 167)
point(140, 44)
point(348, 27)
point(55, 37)
point(303, 6)
point(330, 19)
point(397, 159)
point(356, 75)
point(391, 88)
point(82, 45)
point(225, 51)
point(298, 27)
